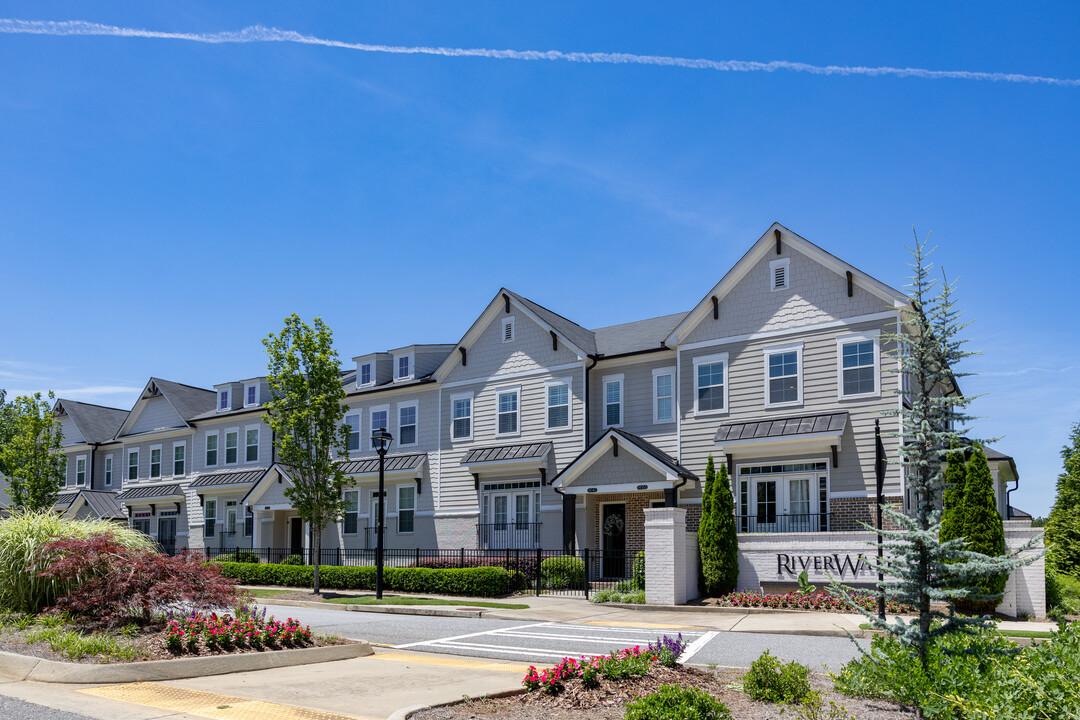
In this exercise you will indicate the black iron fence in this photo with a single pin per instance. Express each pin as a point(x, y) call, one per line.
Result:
point(544, 572)
point(499, 536)
point(808, 522)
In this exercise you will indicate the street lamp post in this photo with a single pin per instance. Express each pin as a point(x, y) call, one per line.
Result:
point(381, 440)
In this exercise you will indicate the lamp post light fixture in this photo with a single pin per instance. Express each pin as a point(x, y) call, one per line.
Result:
point(380, 440)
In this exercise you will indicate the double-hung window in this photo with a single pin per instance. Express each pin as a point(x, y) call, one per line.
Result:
point(155, 462)
point(663, 395)
point(179, 458)
point(404, 367)
point(365, 374)
point(349, 522)
point(249, 522)
point(63, 471)
point(406, 504)
point(209, 518)
point(133, 465)
point(80, 470)
point(558, 404)
point(108, 470)
point(783, 375)
point(858, 364)
point(613, 401)
point(223, 400)
point(211, 449)
point(710, 384)
point(251, 444)
point(232, 440)
point(507, 404)
point(407, 424)
point(353, 423)
point(380, 418)
point(251, 395)
point(461, 420)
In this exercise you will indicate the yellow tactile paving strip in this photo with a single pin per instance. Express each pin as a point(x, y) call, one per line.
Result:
point(651, 626)
point(206, 704)
point(449, 662)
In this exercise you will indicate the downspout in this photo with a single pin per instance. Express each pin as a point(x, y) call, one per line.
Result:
point(595, 359)
point(671, 494)
point(1008, 497)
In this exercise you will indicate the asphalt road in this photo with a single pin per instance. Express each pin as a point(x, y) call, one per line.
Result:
point(545, 643)
point(12, 709)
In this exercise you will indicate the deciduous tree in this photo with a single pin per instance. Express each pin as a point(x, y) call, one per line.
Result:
point(1063, 526)
point(31, 455)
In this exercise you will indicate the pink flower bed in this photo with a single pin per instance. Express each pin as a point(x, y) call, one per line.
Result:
point(248, 630)
point(821, 601)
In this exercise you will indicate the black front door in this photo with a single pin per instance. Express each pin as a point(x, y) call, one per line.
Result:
point(613, 537)
point(296, 536)
point(167, 534)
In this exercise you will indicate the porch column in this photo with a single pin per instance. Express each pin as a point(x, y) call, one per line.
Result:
point(256, 526)
point(569, 522)
point(665, 556)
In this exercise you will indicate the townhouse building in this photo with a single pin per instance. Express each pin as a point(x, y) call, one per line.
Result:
point(533, 431)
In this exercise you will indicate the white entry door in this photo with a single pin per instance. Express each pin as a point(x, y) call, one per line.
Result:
point(510, 520)
point(765, 492)
point(797, 506)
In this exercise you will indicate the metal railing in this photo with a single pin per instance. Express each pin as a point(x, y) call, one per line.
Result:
point(806, 522)
point(501, 536)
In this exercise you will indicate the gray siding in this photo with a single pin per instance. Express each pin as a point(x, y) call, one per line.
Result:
point(611, 470)
point(72, 436)
point(240, 423)
point(156, 414)
point(143, 446)
point(637, 400)
point(816, 294)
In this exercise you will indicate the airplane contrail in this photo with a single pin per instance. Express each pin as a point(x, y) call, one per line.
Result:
point(260, 34)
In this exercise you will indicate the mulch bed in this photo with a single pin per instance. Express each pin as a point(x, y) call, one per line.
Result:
point(149, 643)
point(608, 701)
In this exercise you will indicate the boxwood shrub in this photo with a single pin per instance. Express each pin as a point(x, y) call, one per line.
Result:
point(477, 582)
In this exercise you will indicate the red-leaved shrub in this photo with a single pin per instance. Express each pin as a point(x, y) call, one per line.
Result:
point(113, 583)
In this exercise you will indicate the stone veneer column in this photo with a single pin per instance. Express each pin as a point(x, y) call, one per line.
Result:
point(665, 556)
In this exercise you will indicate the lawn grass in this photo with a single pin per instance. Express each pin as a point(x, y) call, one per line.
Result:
point(409, 600)
point(267, 593)
point(1003, 633)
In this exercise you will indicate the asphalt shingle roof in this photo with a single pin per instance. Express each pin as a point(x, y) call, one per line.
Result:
point(235, 477)
point(520, 451)
point(782, 427)
point(97, 423)
point(636, 336)
point(393, 463)
point(154, 491)
point(189, 401)
point(569, 329)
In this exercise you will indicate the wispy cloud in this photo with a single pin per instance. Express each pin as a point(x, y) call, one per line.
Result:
point(260, 34)
point(1027, 371)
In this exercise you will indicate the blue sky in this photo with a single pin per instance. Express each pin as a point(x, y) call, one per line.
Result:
point(165, 203)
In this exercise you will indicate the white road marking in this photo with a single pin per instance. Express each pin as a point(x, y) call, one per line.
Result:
point(468, 635)
point(693, 648)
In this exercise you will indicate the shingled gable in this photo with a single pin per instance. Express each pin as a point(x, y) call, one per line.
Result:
point(187, 401)
point(97, 423)
point(765, 244)
point(578, 339)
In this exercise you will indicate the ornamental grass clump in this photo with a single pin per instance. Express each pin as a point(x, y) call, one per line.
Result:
point(27, 549)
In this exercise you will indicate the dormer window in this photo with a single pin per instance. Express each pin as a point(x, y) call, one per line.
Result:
point(404, 367)
point(223, 400)
point(779, 277)
point(365, 375)
point(251, 395)
point(508, 329)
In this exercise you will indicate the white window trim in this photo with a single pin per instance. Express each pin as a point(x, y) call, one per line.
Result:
point(206, 450)
point(248, 387)
point(77, 459)
point(172, 459)
point(358, 497)
point(705, 360)
point(127, 464)
point(607, 380)
point(372, 426)
point(108, 469)
point(415, 404)
point(248, 512)
point(660, 372)
point(842, 340)
point(797, 348)
point(569, 383)
point(472, 416)
point(516, 389)
point(207, 516)
point(150, 466)
point(359, 414)
point(258, 442)
point(228, 400)
point(397, 507)
point(225, 448)
point(412, 367)
point(509, 320)
point(371, 374)
point(784, 263)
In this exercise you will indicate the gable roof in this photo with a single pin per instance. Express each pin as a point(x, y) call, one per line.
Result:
point(569, 329)
point(104, 503)
point(638, 446)
point(756, 252)
point(97, 423)
point(637, 336)
point(187, 401)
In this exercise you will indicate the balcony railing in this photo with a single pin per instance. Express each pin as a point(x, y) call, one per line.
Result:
point(810, 522)
point(508, 535)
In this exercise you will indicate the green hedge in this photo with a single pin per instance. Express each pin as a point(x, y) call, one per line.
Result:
point(477, 582)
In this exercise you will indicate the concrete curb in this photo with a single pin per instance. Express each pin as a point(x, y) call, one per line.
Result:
point(22, 667)
point(426, 610)
point(405, 713)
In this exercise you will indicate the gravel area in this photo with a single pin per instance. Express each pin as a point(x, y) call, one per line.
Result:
point(608, 701)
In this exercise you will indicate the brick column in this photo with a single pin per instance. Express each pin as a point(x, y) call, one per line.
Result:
point(665, 556)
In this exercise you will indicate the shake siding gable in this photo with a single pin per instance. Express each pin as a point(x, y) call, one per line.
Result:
point(637, 400)
point(529, 350)
point(72, 436)
point(815, 294)
point(156, 414)
point(621, 470)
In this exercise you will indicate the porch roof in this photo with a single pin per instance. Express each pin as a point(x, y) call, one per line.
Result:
point(63, 500)
point(154, 492)
point(234, 477)
point(666, 466)
point(520, 452)
point(105, 503)
point(822, 428)
point(393, 463)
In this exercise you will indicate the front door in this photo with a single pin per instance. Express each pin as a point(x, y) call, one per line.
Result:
point(765, 519)
point(613, 536)
point(229, 533)
point(510, 520)
point(167, 534)
point(798, 505)
point(296, 536)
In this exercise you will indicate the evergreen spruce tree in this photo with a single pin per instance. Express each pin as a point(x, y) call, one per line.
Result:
point(921, 569)
point(983, 532)
point(955, 478)
point(723, 511)
point(707, 532)
point(1063, 526)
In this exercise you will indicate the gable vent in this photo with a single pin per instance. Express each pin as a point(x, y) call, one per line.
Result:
point(778, 272)
point(508, 329)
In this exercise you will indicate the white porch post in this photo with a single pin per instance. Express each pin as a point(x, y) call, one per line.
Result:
point(255, 527)
point(665, 556)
